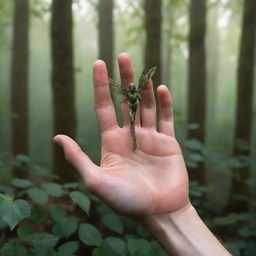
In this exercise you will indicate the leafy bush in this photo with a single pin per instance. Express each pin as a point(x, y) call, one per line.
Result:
point(40, 216)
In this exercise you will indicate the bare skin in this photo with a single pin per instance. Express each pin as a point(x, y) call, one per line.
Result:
point(150, 180)
point(148, 183)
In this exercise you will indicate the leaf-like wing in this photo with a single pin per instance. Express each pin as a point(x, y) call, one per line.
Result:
point(145, 76)
point(116, 88)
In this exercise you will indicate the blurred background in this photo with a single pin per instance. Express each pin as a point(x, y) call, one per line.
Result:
point(204, 51)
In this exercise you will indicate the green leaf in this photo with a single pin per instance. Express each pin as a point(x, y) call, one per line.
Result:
point(43, 240)
point(2, 225)
point(117, 245)
point(193, 126)
point(80, 199)
point(71, 185)
point(191, 164)
point(21, 183)
point(23, 158)
point(138, 247)
point(250, 248)
point(53, 189)
point(24, 208)
point(113, 222)
point(69, 247)
point(41, 251)
point(57, 212)
point(5, 197)
point(7, 190)
point(12, 212)
point(193, 144)
point(25, 231)
point(233, 248)
point(89, 234)
point(229, 220)
point(98, 252)
point(37, 195)
point(156, 249)
point(39, 214)
point(56, 230)
point(142, 232)
point(68, 225)
point(12, 249)
point(245, 232)
point(196, 157)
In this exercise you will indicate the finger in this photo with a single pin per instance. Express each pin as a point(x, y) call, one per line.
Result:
point(81, 162)
point(165, 111)
point(127, 76)
point(103, 103)
point(148, 106)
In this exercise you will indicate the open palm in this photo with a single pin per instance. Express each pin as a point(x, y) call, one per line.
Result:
point(150, 180)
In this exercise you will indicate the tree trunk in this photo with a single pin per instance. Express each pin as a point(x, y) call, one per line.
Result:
point(63, 85)
point(153, 20)
point(244, 111)
point(167, 44)
point(197, 78)
point(213, 40)
point(106, 42)
point(19, 78)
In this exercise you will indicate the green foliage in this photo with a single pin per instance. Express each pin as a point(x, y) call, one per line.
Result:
point(80, 199)
point(47, 218)
point(69, 247)
point(89, 234)
point(193, 152)
point(138, 247)
point(13, 211)
point(40, 216)
point(238, 230)
point(113, 222)
point(38, 195)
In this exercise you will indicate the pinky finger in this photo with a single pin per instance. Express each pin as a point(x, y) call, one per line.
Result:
point(165, 111)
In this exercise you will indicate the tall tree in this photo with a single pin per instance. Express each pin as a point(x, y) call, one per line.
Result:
point(244, 110)
point(63, 85)
point(153, 21)
point(19, 78)
point(167, 41)
point(213, 41)
point(197, 77)
point(213, 61)
point(106, 34)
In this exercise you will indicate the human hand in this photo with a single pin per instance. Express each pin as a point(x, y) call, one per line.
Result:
point(148, 181)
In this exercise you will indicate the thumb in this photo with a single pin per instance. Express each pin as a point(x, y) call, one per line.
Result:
point(77, 158)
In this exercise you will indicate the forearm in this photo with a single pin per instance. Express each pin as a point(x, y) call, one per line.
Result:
point(184, 233)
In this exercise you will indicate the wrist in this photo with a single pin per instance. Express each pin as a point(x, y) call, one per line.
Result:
point(182, 232)
point(164, 227)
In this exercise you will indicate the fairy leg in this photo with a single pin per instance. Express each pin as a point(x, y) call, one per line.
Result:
point(132, 113)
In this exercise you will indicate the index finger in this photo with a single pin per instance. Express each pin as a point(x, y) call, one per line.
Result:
point(103, 103)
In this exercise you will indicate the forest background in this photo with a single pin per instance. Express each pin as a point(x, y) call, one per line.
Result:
point(204, 51)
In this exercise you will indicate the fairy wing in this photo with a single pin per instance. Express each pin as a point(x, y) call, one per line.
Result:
point(145, 76)
point(116, 88)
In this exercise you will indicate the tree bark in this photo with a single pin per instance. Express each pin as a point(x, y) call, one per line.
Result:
point(213, 41)
point(153, 21)
point(197, 78)
point(244, 110)
point(106, 34)
point(63, 85)
point(19, 78)
point(167, 44)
